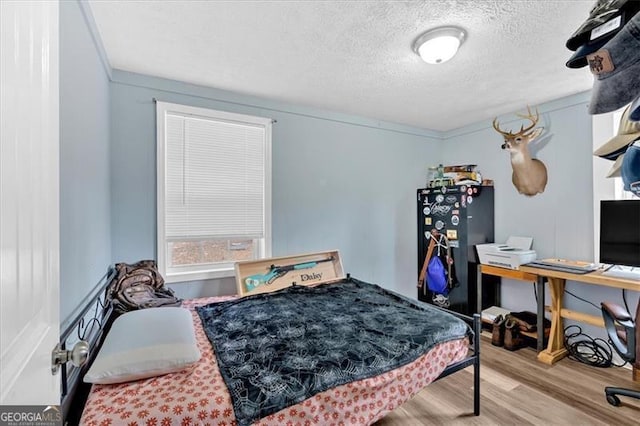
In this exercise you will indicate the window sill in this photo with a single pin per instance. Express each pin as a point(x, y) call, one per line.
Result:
point(186, 276)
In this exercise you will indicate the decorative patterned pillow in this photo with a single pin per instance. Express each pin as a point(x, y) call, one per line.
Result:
point(145, 343)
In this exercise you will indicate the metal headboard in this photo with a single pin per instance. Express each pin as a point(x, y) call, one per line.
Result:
point(83, 331)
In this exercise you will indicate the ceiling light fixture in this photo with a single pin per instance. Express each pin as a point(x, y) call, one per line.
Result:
point(438, 45)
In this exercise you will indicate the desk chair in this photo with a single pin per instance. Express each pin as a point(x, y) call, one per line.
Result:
point(625, 336)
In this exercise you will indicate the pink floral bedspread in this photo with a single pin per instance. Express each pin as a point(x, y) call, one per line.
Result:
point(199, 396)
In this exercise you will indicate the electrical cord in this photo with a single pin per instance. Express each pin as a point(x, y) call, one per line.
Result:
point(624, 298)
point(594, 352)
point(584, 300)
point(584, 348)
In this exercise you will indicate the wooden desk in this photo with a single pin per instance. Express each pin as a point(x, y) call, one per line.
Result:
point(516, 275)
point(557, 281)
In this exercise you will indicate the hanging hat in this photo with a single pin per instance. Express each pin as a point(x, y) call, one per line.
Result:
point(579, 57)
point(628, 131)
point(615, 169)
point(630, 169)
point(634, 115)
point(605, 17)
point(616, 68)
point(599, 36)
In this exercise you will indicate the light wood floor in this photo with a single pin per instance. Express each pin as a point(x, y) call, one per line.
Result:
point(516, 389)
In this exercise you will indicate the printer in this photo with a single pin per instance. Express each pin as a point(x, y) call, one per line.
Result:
point(515, 252)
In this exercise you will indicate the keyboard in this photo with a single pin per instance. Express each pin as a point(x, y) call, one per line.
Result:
point(627, 273)
point(556, 266)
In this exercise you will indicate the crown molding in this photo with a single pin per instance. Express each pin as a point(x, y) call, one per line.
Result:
point(85, 8)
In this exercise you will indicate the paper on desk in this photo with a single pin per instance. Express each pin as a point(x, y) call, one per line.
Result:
point(522, 243)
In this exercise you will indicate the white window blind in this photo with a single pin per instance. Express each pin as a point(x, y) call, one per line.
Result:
point(214, 178)
point(214, 191)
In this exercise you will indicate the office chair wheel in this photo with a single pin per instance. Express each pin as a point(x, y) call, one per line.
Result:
point(613, 400)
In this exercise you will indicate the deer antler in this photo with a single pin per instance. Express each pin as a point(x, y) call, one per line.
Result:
point(496, 126)
point(529, 116)
point(523, 130)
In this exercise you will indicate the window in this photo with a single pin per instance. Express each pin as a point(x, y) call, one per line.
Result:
point(618, 186)
point(604, 127)
point(214, 191)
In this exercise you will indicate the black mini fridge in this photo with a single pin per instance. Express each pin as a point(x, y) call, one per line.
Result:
point(464, 214)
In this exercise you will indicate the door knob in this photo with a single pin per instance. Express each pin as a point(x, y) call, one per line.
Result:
point(78, 355)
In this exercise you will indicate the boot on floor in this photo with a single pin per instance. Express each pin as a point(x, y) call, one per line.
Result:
point(513, 340)
point(497, 335)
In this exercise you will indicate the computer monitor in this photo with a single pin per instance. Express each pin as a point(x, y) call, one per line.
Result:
point(620, 233)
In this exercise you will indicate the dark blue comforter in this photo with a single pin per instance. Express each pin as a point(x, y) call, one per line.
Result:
point(278, 349)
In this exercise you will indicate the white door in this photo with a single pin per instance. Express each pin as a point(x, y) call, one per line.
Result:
point(29, 193)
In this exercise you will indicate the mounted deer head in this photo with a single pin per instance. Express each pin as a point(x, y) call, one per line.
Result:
point(529, 175)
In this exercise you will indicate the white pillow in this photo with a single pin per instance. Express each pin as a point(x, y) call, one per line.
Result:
point(145, 343)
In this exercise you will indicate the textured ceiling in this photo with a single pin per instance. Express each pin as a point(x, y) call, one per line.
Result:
point(355, 56)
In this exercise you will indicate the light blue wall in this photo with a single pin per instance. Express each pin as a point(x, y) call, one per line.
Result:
point(349, 183)
point(560, 220)
point(339, 182)
point(85, 215)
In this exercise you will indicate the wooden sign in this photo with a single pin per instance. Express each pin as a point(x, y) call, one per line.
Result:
point(266, 275)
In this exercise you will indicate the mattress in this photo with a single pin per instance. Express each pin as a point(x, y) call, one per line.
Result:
point(199, 396)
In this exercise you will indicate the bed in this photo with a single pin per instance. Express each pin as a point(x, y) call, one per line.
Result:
point(229, 386)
